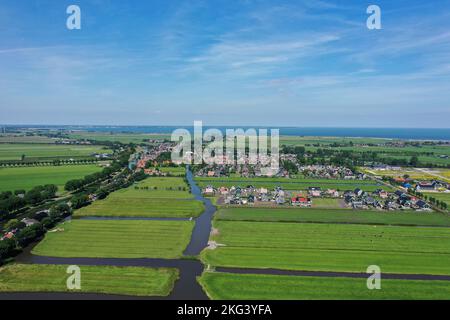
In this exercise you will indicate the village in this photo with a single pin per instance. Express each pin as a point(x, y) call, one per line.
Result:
point(350, 189)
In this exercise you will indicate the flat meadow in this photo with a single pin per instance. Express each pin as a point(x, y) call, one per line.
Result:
point(154, 197)
point(28, 177)
point(135, 281)
point(47, 151)
point(227, 286)
point(330, 247)
point(334, 216)
point(116, 239)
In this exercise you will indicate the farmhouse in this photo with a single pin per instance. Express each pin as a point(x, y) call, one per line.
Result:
point(426, 186)
point(209, 190)
point(301, 201)
point(29, 222)
point(314, 191)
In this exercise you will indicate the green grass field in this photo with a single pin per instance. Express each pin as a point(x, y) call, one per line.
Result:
point(28, 177)
point(426, 154)
point(151, 207)
point(47, 151)
point(119, 137)
point(134, 281)
point(117, 239)
point(330, 247)
point(327, 203)
point(291, 184)
point(21, 138)
point(334, 216)
point(174, 171)
point(225, 286)
point(170, 199)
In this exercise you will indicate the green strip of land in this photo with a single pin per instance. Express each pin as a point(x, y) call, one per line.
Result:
point(154, 197)
point(28, 177)
point(330, 247)
point(292, 184)
point(225, 286)
point(117, 239)
point(134, 281)
point(335, 216)
point(36, 151)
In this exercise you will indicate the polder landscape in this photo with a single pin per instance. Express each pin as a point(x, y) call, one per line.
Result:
point(140, 226)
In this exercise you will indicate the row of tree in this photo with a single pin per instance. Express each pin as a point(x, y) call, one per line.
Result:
point(24, 235)
point(13, 201)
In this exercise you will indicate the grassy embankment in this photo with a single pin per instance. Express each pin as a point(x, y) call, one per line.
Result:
point(134, 281)
point(117, 239)
point(153, 197)
point(227, 286)
point(28, 177)
point(330, 247)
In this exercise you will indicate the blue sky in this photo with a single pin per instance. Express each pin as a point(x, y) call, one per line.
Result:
point(274, 63)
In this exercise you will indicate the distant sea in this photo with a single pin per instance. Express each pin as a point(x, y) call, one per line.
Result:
point(390, 133)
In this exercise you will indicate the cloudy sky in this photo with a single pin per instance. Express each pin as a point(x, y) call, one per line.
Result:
point(241, 62)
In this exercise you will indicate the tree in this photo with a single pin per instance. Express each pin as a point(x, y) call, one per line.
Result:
point(7, 248)
point(414, 161)
point(4, 214)
point(80, 201)
point(13, 224)
point(29, 234)
point(60, 210)
point(48, 223)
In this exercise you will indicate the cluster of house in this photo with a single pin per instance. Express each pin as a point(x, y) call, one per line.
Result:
point(27, 222)
point(244, 170)
point(330, 172)
point(71, 141)
point(435, 185)
point(381, 199)
point(247, 195)
point(101, 155)
point(250, 194)
point(139, 159)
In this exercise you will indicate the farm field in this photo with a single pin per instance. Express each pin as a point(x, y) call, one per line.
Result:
point(303, 140)
point(334, 216)
point(292, 184)
point(134, 281)
point(18, 138)
point(327, 203)
point(117, 239)
point(141, 207)
point(425, 154)
point(142, 200)
point(228, 286)
point(174, 171)
point(415, 174)
point(28, 177)
point(330, 247)
point(119, 137)
point(47, 151)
